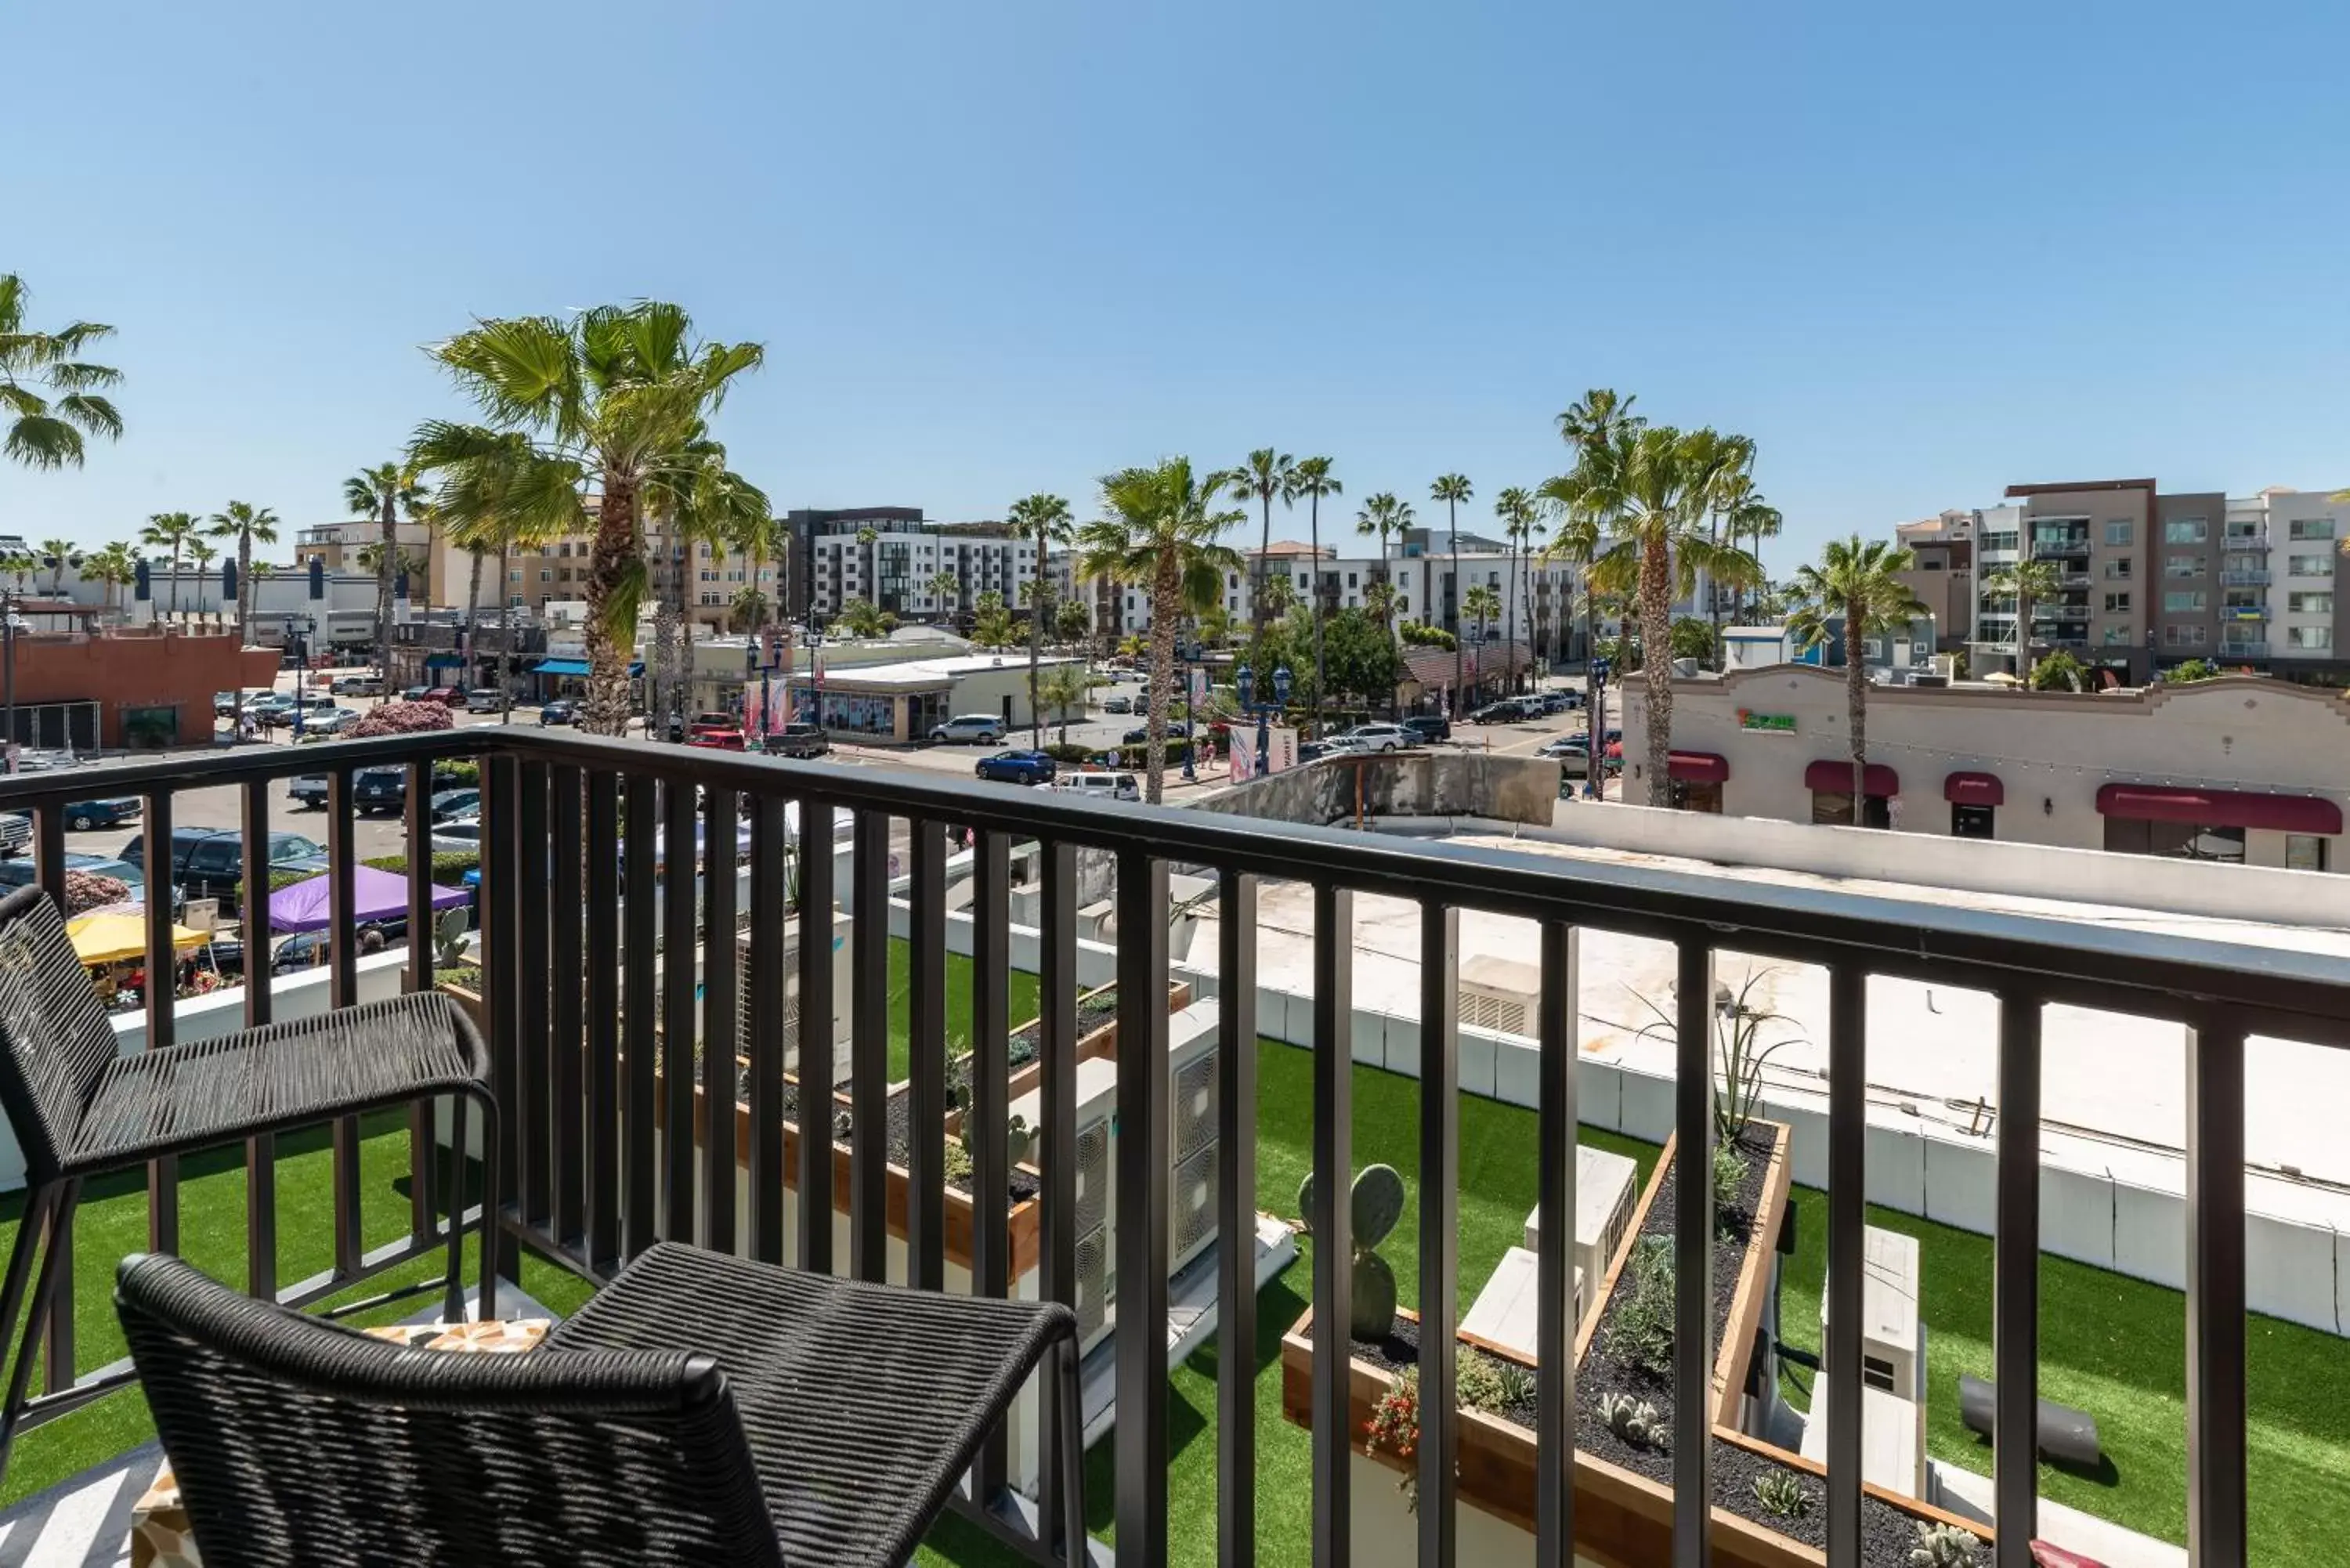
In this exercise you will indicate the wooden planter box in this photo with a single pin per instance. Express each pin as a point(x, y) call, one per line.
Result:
point(1622, 1519)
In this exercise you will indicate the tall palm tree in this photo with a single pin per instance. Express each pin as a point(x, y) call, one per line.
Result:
point(1453, 489)
point(1047, 520)
point(1860, 581)
point(172, 530)
point(1579, 502)
point(945, 587)
point(2028, 583)
point(245, 523)
point(203, 553)
point(1750, 516)
point(612, 399)
point(386, 492)
point(1381, 514)
point(1270, 476)
point(1064, 687)
point(749, 609)
point(1515, 508)
point(48, 393)
point(1160, 531)
point(697, 501)
point(56, 554)
point(1485, 604)
point(1726, 463)
point(1654, 485)
point(111, 567)
point(1313, 479)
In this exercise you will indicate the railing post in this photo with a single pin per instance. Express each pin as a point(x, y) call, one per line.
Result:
point(639, 1161)
point(1692, 1441)
point(990, 1165)
point(926, 1010)
point(566, 955)
point(534, 1125)
point(602, 851)
point(163, 987)
point(261, 1152)
point(763, 1151)
point(1056, 1065)
point(1331, 1223)
point(1558, 1126)
point(1847, 1252)
point(720, 948)
point(2015, 1284)
point(2216, 1536)
point(504, 979)
point(423, 1218)
point(1140, 1434)
point(681, 1018)
point(1236, 1322)
point(817, 1027)
point(1439, 1206)
point(868, 1052)
point(58, 1340)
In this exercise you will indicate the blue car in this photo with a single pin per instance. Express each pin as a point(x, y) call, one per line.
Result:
point(86, 815)
point(1017, 767)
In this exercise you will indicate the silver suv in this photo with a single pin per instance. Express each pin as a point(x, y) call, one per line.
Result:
point(970, 728)
point(1377, 738)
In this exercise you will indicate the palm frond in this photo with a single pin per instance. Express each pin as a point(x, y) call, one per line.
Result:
point(44, 442)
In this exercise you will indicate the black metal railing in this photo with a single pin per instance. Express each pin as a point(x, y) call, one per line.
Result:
point(595, 1024)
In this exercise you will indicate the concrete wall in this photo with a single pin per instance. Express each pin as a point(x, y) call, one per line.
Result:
point(1403, 784)
point(2051, 750)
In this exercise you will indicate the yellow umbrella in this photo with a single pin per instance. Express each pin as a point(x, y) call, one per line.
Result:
point(118, 938)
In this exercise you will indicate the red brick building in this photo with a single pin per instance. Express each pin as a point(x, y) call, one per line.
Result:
point(127, 689)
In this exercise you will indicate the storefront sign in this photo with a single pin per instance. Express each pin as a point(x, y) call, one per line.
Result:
point(1766, 723)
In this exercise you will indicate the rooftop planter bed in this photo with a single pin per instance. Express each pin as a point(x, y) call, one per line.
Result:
point(1624, 1486)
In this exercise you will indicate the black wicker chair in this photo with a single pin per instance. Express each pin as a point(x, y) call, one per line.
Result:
point(79, 1108)
point(701, 1410)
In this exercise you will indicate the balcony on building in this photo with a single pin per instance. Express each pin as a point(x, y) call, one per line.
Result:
point(987, 952)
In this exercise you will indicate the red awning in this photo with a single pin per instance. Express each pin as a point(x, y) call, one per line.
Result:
point(1834, 777)
point(1701, 767)
point(1974, 789)
point(2220, 808)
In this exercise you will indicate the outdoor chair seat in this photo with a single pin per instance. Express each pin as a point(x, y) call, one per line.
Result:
point(285, 1074)
point(701, 1410)
point(80, 1108)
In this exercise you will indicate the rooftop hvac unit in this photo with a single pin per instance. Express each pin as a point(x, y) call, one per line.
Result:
point(1499, 995)
point(744, 968)
point(1191, 1147)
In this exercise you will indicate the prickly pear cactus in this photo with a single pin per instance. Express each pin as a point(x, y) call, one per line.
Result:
point(1375, 1205)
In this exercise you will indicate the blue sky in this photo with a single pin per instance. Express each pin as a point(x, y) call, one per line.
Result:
point(1917, 253)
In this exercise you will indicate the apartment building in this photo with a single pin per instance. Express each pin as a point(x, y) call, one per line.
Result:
point(338, 547)
point(903, 564)
point(2286, 545)
point(701, 578)
point(1944, 576)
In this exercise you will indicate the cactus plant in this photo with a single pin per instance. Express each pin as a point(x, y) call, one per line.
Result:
point(1019, 1140)
point(1636, 1421)
point(1782, 1494)
point(1376, 1205)
point(1942, 1546)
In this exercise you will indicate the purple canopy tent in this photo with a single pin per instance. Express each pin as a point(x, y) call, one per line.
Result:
point(376, 895)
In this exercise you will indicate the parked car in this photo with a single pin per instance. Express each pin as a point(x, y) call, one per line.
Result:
point(308, 949)
point(1429, 726)
point(86, 815)
point(357, 686)
point(413, 693)
point(1017, 767)
point(562, 711)
point(454, 804)
point(483, 700)
point(328, 721)
point(1565, 699)
point(730, 740)
point(799, 741)
point(447, 696)
point(1508, 710)
point(1119, 705)
point(462, 837)
point(970, 729)
point(379, 791)
point(1378, 738)
point(309, 789)
point(209, 863)
point(1177, 730)
point(1099, 785)
point(16, 832)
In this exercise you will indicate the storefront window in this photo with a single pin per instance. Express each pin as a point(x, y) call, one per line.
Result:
point(2304, 852)
point(150, 728)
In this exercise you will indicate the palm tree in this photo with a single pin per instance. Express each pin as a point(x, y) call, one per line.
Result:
point(1270, 476)
point(203, 554)
point(2027, 583)
point(749, 610)
point(1160, 532)
point(1313, 479)
point(859, 618)
point(1453, 489)
point(1750, 516)
point(172, 530)
point(1727, 465)
point(1860, 581)
point(1515, 508)
point(991, 621)
point(1485, 604)
point(945, 587)
point(1653, 485)
point(1047, 520)
point(246, 522)
point(1578, 500)
point(1064, 687)
point(111, 567)
point(55, 553)
point(48, 394)
point(613, 400)
point(696, 501)
point(386, 492)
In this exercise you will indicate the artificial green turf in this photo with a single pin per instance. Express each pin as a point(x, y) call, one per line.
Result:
point(2115, 1348)
point(1021, 1007)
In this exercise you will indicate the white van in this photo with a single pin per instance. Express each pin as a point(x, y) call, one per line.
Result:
point(1101, 785)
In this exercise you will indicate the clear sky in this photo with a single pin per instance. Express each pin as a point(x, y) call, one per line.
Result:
point(1917, 252)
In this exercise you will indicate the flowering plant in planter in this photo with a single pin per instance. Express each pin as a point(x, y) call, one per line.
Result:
point(403, 719)
point(1395, 1427)
point(86, 890)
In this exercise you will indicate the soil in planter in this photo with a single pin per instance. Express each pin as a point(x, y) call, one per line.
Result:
point(1887, 1535)
point(1093, 1011)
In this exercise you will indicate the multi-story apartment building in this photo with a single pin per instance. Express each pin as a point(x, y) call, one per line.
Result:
point(2285, 546)
point(702, 579)
point(2096, 533)
point(901, 565)
point(338, 546)
point(1944, 576)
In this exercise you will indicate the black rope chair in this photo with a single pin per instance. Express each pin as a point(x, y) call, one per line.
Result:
point(701, 1410)
point(80, 1108)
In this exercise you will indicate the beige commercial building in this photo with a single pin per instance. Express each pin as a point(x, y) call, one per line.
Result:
point(2241, 769)
point(705, 579)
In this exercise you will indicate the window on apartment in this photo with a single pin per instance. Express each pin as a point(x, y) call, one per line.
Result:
point(2118, 569)
point(1350, 580)
point(2310, 565)
point(545, 575)
point(2309, 603)
point(2001, 541)
point(2118, 603)
point(2185, 531)
point(2119, 530)
point(2309, 637)
point(2182, 566)
point(2116, 636)
point(2182, 636)
point(2185, 601)
point(2310, 528)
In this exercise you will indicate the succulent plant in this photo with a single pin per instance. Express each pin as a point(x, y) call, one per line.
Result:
point(1485, 1382)
point(1729, 1175)
point(841, 1125)
point(1781, 1493)
point(1642, 1329)
point(1633, 1419)
point(1377, 1206)
point(1019, 1140)
point(1943, 1547)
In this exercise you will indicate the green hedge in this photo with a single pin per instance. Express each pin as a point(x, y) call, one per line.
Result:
point(448, 866)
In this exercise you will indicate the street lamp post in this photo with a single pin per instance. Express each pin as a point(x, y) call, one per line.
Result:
point(301, 626)
point(755, 738)
point(1185, 653)
point(1245, 678)
point(9, 638)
